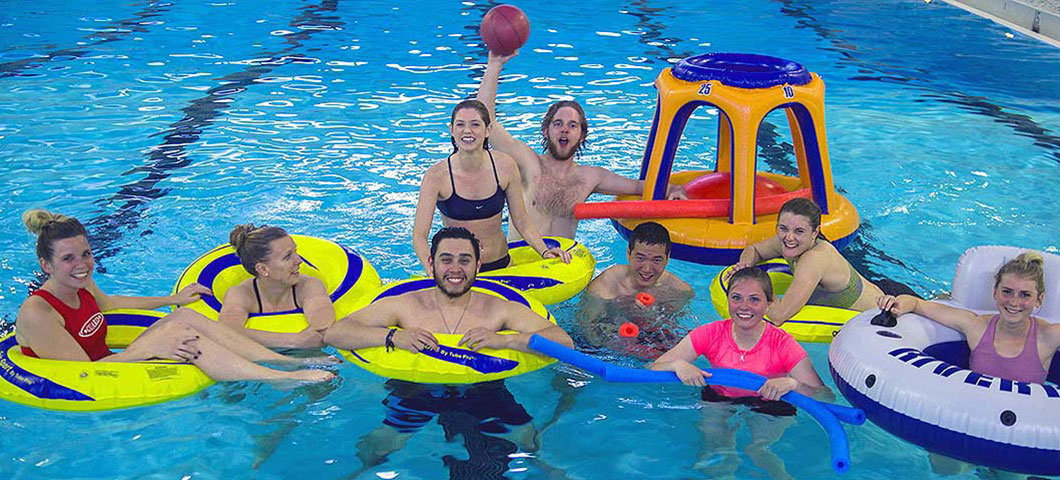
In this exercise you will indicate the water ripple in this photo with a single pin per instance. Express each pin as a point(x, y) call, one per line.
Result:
point(428, 69)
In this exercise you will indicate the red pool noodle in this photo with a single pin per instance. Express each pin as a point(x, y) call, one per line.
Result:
point(701, 208)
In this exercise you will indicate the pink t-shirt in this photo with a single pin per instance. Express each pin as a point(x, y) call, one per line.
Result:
point(775, 354)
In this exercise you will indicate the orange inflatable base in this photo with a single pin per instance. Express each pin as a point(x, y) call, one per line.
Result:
point(715, 241)
point(709, 255)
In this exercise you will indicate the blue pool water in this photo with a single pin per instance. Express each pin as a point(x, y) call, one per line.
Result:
point(163, 124)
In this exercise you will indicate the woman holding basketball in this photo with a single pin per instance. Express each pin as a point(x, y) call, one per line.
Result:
point(470, 188)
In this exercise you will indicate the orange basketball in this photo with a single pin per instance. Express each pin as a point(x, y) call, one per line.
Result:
point(504, 29)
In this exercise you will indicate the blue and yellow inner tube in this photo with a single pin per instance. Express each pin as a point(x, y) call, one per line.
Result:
point(451, 364)
point(346, 275)
point(102, 385)
point(813, 323)
point(550, 281)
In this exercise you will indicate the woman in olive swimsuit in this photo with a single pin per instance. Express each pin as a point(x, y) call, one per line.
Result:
point(821, 276)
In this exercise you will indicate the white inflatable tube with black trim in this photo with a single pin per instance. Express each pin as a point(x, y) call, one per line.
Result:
point(911, 379)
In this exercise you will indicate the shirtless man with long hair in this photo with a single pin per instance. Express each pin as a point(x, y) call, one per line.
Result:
point(552, 181)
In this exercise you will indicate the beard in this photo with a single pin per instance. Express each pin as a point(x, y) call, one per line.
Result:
point(450, 290)
point(553, 149)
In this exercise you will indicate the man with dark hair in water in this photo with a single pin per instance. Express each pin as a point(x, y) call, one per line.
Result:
point(641, 292)
point(477, 411)
point(552, 181)
point(648, 254)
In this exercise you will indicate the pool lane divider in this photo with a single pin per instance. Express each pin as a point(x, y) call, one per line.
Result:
point(110, 32)
point(131, 200)
point(828, 415)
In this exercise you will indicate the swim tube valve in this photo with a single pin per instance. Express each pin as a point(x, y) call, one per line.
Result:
point(884, 319)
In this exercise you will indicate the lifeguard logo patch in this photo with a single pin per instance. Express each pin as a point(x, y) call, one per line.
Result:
point(91, 326)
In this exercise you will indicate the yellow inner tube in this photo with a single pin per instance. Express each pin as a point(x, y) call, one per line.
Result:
point(102, 385)
point(346, 275)
point(549, 281)
point(452, 365)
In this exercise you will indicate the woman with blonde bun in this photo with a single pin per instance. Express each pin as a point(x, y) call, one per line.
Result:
point(269, 254)
point(63, 320)
point(1012, 343)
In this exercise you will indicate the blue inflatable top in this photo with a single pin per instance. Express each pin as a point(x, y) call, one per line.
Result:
point(743, 70)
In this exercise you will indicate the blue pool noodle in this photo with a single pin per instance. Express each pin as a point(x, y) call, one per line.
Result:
point(827, 415)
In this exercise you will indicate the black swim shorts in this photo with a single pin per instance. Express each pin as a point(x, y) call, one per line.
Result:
point(775, 408)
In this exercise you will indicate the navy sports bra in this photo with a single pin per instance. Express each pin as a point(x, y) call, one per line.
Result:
point(460, 208)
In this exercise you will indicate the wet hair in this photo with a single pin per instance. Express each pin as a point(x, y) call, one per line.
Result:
point(804, 207)
point(650, 233)
point(50, 228)
point(454, 232)
point(482, 111)
point(252, 243)
point(1028, 266)
point(551, 113)
point(753, 273)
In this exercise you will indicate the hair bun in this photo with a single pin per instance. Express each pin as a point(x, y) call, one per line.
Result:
point(252, 244)
point(238, 237)
point(35, 219)
point(1030, 257)
point(1028, 265)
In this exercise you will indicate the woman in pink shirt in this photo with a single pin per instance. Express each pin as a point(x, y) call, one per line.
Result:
point(745, 342)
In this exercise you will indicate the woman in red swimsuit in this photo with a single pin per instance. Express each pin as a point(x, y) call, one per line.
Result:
point(486, 179)
point(270, 255)
point(62, 320)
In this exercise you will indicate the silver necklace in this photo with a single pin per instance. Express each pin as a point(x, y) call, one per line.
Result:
point(740, 348)
point(446, 322)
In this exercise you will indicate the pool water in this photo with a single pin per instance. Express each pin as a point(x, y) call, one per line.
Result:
point(161, 125)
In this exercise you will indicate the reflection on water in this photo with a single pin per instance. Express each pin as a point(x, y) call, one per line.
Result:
point(198, 115)
point(139, 23)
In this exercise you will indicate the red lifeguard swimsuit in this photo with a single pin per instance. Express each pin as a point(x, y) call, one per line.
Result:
point(86, 323)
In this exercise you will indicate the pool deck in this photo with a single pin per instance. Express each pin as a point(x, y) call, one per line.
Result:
point(1036, 18)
